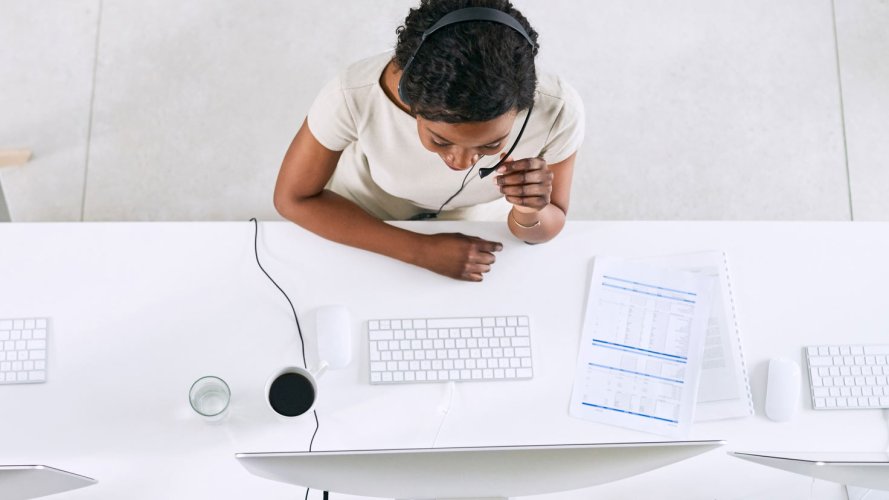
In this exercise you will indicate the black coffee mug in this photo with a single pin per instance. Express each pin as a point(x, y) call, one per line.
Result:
point(293, 391)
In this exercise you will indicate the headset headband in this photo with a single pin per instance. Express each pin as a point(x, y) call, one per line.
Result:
point(461, 16)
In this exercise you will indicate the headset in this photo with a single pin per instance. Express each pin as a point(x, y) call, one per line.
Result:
point(465, 15)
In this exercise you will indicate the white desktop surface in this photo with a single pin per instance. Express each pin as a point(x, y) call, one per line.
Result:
point(141, 310)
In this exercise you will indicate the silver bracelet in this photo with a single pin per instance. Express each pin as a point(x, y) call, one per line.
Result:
point(517, 223)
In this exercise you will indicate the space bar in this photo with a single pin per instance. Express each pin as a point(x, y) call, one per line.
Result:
point(453, 323)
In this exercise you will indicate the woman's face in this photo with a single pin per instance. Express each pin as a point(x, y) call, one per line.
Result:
point(460, 145)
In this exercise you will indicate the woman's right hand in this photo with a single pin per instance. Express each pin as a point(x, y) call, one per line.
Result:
point(458, 256)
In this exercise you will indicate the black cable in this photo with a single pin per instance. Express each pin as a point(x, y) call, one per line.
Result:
point(256, 254)
point(462, 185)
point(431, 215)
point(302, 342)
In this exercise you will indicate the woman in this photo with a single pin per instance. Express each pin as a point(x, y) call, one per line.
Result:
point(384, 143)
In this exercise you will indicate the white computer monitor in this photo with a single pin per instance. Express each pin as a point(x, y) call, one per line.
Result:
point(868, 470)
point(18, 482)
point(497, 472)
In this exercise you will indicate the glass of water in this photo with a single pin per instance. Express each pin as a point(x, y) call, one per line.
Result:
point(210, 396)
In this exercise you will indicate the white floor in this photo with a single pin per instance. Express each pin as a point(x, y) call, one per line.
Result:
point(168, 110)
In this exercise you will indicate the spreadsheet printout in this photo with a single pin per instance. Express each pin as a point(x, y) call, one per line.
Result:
point(639, 360)
point(724, 390)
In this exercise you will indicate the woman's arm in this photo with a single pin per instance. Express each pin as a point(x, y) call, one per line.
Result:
point(300, 197)
point(540, 195)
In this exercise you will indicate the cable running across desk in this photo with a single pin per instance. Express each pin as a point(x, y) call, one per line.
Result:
point(302, 342)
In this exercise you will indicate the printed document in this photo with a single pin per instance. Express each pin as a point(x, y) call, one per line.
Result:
point(724, 391)
point(639, 360)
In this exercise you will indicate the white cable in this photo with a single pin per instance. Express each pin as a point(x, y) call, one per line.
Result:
point(444, 410)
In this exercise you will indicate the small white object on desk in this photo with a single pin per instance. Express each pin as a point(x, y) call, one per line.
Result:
point(333, 327)
point(782, 392)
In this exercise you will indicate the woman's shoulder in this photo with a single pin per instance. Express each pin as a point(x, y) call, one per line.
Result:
point(365, 72)
point(554, 92)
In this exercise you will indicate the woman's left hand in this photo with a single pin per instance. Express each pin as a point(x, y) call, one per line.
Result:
point(527, 184)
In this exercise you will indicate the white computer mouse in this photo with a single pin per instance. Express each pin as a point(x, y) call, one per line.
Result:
point(333, 328)
point(782, 390)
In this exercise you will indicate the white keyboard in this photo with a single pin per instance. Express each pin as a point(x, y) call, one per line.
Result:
point(849, 376)
point(23, 350)
point(404, 351)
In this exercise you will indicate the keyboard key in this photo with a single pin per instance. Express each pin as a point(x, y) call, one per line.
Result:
point(382, 335)
point(521, 342)
point(820, 361)
point(453, 323)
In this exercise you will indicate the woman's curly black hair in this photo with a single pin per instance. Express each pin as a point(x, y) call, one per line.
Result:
point(470, 71)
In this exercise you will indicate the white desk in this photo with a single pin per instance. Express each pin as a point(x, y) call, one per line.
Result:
point(141, 310)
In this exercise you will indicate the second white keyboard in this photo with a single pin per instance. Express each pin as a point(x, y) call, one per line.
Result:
point(849, 376)
point(404, 351)
point(23, 350)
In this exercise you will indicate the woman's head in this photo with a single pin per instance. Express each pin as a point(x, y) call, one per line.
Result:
point(466, 72)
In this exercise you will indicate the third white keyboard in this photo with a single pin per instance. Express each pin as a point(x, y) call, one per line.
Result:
point(849, 376)
point(404, 351)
